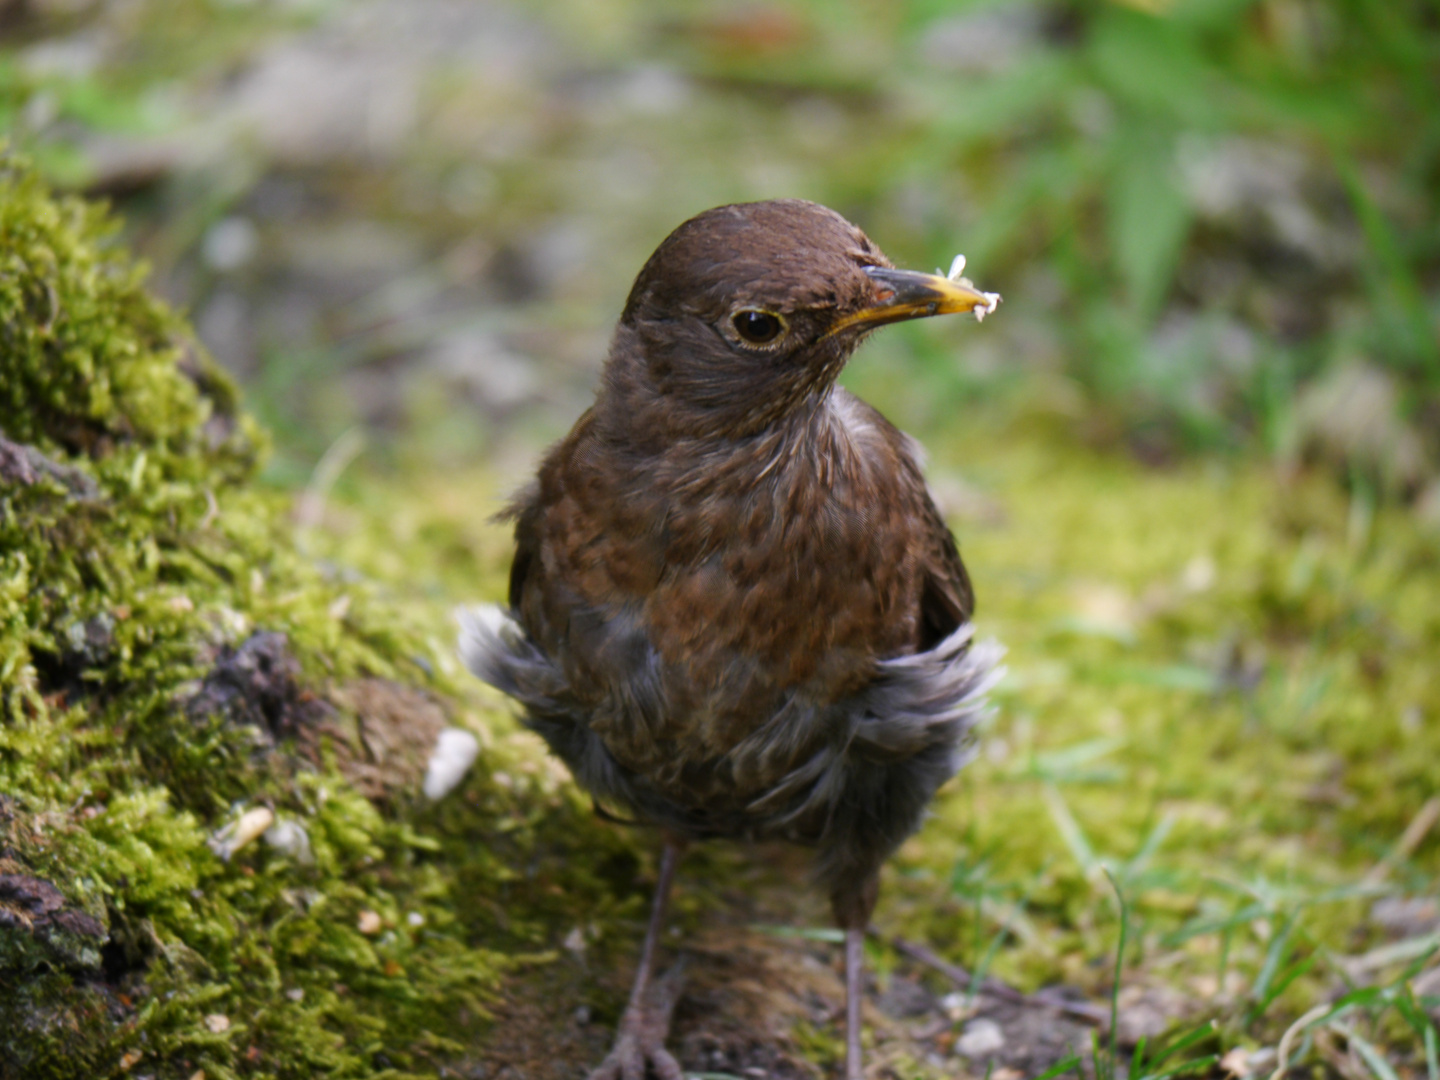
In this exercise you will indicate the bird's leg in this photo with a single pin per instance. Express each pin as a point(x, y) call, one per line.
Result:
point(852, 911)
point(854, 995)
point(640, 1040)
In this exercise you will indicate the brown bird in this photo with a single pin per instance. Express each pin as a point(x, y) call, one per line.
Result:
point(734, 609)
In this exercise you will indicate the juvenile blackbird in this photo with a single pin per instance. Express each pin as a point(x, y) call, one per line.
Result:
point(734, 609)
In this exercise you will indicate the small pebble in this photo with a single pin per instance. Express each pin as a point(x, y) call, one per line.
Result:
point(369, 923)
point(290, 839)
point(1236, 1062)
point(217, 1023)
point(238, 833)
point(980, 1038)
point(956, 1005)
point(455, 751)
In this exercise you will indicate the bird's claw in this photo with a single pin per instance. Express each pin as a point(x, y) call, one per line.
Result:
point(633, 1058)
point(639, 1049)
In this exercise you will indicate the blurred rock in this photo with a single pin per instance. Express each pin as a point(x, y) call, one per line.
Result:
point(1147, 1012)
point(76, 56)
point(982, 1038)
point(1351, 415)
point(487, 372)
point(654, 90)
point(1407, 916)
point(358, 250)
point(1249, 182)
point(308, 103)
point(982, 42)
point(557, 253)
point(354, 89)
point(121, 164)
point(39, 925)
point(229, 244)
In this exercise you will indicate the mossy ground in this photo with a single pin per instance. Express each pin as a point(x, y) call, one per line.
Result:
point(139, 566)
point(1221, 690)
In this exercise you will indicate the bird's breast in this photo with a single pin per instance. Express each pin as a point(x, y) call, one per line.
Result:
point(695, 595)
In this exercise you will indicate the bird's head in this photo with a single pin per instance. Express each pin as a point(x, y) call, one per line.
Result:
point(746, 312)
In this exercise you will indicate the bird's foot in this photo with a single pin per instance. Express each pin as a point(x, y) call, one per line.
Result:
point(639, 1049)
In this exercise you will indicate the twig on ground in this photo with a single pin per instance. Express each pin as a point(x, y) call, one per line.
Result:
point(1293, 1032)
point(963, 980)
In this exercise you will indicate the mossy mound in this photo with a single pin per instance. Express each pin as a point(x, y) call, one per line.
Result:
point(170, 660)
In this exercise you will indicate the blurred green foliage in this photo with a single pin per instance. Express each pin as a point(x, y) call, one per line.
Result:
point(1218, 219)
point(1144, 180)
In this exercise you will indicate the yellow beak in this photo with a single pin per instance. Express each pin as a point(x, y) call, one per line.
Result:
point(906, 294)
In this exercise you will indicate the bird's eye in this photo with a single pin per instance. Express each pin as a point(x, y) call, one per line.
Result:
point(758, 327)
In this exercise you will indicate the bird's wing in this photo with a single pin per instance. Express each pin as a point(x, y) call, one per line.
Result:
point(524, 510)
point(947, 600)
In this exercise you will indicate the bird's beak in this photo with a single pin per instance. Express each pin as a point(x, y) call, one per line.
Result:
point(906, 294)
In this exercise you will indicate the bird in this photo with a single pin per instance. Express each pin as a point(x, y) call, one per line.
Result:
point(734, 608)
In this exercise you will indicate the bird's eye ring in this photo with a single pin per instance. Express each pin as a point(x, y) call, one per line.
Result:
point(757, 327)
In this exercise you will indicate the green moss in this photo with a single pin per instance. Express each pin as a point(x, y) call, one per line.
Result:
point(136, 561)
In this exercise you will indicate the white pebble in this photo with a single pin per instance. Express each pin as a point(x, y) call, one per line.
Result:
point(455, 751)
point(290, 839)
point(240, 832)
point(981, 1037)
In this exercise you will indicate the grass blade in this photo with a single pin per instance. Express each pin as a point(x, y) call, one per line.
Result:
point(1119, 969)
point(1070, 831)
point(1185, 1041)
point(1423, 1027)
point(1156, 837)
point(1368, 1054)
point(1137, 1059)
point(1185, 1066)
point(1205, 925)
point(1274, 956)
point(1016, 913)
point(1293, 972)
point(1064, 1065)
